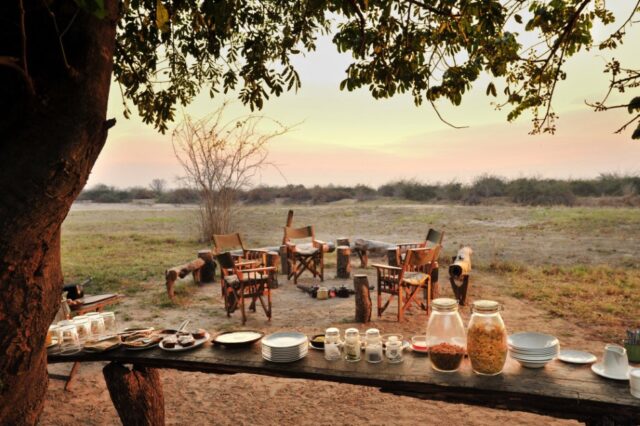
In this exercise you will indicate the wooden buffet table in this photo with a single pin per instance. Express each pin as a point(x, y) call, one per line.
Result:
point(559, 390)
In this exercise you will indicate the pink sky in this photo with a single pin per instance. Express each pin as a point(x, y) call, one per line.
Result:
point(350, 138)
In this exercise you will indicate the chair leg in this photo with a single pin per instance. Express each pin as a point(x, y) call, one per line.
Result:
point(244, 314)
point(379, 301)
point(400, 305)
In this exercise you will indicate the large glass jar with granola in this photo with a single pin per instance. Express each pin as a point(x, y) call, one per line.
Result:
point(446, 337)
point(487, 338)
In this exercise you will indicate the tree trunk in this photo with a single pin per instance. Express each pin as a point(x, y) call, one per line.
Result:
point(136, 394)
point(343, 262)
point(52, 128)
point(363, 298)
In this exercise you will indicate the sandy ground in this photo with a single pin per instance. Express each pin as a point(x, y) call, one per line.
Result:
point(199, 399)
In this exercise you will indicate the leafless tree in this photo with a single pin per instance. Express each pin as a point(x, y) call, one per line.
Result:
point(221, 158)
point(158, 186)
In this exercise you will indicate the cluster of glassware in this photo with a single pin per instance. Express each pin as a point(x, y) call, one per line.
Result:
point(69, 336)
point(352, 346)
point(485, 340)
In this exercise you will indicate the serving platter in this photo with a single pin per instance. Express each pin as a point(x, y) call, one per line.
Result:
point(237, 338)
point(178, 348)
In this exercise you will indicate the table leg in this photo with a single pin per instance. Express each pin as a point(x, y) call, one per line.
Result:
point(72, 373)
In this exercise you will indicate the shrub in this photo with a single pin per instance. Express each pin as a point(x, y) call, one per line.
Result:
point(537, 192)
point(488, 186)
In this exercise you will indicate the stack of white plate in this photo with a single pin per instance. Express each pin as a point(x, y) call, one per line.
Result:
point(533, 350)
point(285, 347)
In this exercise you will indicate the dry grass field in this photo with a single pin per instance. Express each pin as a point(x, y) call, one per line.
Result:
point(569, 271)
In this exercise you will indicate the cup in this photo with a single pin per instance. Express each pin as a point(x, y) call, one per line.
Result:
point(634, 382)
point(633, 351)
point(615, 361)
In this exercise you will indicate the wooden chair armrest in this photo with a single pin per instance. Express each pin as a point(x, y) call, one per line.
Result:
point(381, 266)
point(261, 269)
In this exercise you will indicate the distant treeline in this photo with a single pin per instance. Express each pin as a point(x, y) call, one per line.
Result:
point(524, 191)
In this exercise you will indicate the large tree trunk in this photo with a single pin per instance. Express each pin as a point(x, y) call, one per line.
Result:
point(52, 128)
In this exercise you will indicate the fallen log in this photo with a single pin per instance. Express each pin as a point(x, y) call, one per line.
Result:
point(172, 274)
point(136, 394)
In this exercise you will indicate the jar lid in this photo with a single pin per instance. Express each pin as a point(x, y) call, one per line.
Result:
point(444, 304)
point(486, 306)
point(351, 332)
point(373, 332)
point(333, 331)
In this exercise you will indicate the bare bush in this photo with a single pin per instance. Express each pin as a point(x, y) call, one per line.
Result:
point(221, 159)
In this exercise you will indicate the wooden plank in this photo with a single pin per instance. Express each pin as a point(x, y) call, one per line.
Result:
point(559, 390)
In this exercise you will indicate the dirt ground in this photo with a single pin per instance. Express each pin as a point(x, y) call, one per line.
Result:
point(95, 233)
point(194, 398)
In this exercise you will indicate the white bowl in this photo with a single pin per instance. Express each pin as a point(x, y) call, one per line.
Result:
point(532, 341)
point(530, 364)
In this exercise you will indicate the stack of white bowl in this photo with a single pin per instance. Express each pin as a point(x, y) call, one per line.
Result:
point(533, 350)
point(285, 347)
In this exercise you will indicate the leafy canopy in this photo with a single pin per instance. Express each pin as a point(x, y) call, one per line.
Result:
point(167, 51)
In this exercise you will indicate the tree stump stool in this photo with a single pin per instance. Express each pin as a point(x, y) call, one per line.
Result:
point(363, 298)
point(208, 271)
point(343, 262)
point(273, 259)
point(343, 242)
point(284, 261)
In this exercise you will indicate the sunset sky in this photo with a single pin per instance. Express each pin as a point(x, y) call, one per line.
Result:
point(350, 138)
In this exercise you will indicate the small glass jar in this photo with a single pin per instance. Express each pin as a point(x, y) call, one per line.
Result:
point(332, 344)
point(352, 345)
point(110, 326)
point(83, 324)
point(393, 351)
point(446, 337)
point(373, 347)
point(97, 324)
point(487, 338)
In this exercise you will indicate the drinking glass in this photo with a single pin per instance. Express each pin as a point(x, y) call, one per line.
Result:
point(83, 326)
point(110, 325)
point(54, 338)
point(332, 344)
point(70, 342)
point(97, 324)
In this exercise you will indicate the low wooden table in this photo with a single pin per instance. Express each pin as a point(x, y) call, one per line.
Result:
point(96, 303)
point(559, 390)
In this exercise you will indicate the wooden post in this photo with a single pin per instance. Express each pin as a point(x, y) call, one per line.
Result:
point(343, 262)
point(343, 242)
point(208, 270)
point(284, 262)
point(273, 258)
point(363, 298)
point(392, 257)
point(136, 394)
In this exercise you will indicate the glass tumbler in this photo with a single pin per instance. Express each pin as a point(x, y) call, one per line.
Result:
point(110, 325)
point(70, 342)
point(83, 325)
point(97, 324)
point(352, 345)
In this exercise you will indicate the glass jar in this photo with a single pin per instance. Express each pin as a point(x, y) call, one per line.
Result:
point(352, 345)
point(446, 337)
point(487, 338)
point(393, 351)
point(332, 344)
point(83, 324)
point(373, 347)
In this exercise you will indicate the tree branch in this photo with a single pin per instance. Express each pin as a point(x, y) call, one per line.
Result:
point(443, 120)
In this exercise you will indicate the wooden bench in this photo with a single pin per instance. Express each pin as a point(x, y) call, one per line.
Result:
point(559, 390)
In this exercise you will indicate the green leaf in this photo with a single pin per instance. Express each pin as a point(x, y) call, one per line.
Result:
point(491, 89)
point(634, 105)
point(162, 17)
point(94, 7)
point(518, 18)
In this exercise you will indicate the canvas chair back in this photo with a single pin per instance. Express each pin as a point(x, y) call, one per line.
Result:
point(291, 233)
point(422, 259)
point(434, 237)
point(227, 242)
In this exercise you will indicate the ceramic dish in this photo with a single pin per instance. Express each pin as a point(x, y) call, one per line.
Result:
point(237, 338)
point(284, 340)
point(576, 357)
point(535, 342)
point(599, 370)
point(178, 348)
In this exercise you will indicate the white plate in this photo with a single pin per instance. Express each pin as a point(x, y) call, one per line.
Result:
point(238, 338)
point(285, 340)
point(576, 357)
point(532, 341)
point(284, 360)
point(533, 364)
point(599, 370)
point(179, 348)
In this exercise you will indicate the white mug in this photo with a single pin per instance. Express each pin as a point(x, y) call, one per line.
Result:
point(634, 382)
point(615, 360)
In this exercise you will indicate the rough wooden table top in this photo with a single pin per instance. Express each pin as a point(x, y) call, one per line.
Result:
point(559, 389)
